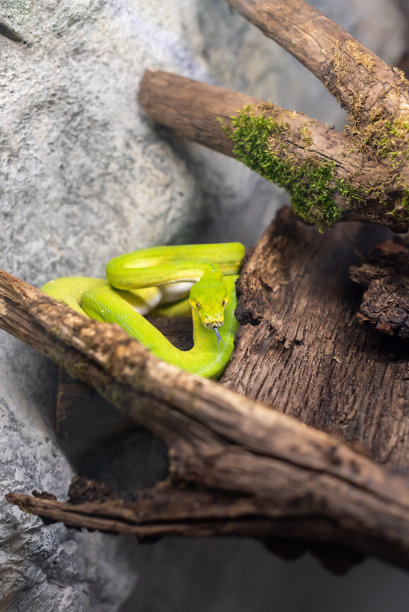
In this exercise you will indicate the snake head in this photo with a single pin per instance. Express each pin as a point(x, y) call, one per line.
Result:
point(208, 297)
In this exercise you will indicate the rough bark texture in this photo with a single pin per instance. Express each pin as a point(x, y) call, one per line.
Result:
point(360, 175)
point(304, 351)
point(250, 469)
point(385, 275)
point(346, 67)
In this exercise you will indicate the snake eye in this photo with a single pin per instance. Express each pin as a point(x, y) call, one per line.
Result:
point(198, 305)
point(224, 302)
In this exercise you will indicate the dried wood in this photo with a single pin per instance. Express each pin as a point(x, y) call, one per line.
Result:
point(369, 174)
point(237, 466)
point(385, 276)
point(303, 349)
point(348, 69)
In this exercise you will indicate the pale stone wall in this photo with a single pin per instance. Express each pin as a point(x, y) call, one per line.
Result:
point(84, 176)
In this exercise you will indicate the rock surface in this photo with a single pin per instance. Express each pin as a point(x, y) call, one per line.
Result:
point(85, 176)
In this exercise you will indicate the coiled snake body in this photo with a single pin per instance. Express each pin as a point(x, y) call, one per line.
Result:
point(166, 280)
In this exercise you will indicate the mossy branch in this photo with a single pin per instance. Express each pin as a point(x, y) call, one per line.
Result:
point(362, 174)
point(330, 175)
point(262, 144)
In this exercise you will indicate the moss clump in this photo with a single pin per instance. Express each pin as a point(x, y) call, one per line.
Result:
point(260, 143)
point(362, 58)
point(306, 135)
point(381, 139)
point(387, 141)
point(405, 199)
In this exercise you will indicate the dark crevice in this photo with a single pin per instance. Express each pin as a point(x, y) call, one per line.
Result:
point(9, 33)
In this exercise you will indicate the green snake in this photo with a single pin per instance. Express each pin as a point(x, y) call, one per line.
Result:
point(169, 281)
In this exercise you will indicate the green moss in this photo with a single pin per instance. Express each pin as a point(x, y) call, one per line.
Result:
point(387, 141)
point(381, 139)
point(260, 143)
point(405, 199)
point(306, 135)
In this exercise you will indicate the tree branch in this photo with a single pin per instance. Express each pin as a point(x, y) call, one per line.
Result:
point(315, 162)
point(273, 469)
point(360, 175)
point(197, 111)
point(360, 80)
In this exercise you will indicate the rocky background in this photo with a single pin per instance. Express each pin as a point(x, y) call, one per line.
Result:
point(85, 176)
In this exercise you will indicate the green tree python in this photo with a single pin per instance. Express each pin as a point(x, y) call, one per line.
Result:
point(168, 281)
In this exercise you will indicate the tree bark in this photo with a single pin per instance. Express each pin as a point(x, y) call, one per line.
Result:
point(304, 351)
point(361, 174)
point(349, 70)
point(250, 470)
point(385, 276)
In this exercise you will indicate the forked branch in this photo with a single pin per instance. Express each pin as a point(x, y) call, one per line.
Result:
point(360, 175)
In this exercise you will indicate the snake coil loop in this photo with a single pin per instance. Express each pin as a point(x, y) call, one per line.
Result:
point(167, 280)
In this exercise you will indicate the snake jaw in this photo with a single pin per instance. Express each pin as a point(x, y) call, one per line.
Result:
point(213, 323)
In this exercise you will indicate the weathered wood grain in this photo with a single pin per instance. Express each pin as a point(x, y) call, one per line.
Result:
point(304, 351)
point(198, 111)
point(281, 477)
point(350, 71)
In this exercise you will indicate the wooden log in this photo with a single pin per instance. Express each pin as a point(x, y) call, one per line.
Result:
point(269, 474)
point(304, 351)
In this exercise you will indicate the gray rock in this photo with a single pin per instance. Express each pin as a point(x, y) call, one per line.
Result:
point(85, 176)
point(45, 568)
